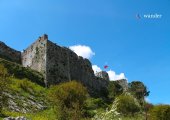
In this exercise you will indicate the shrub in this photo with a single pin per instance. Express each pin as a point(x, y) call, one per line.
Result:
point(127, 105)
point(160, 112)
point(4, 86)
point(68, 100)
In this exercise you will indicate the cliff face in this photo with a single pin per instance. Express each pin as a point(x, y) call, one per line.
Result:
point(9, 53)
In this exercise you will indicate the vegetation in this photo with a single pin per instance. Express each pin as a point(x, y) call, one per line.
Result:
point(20, 72)
point(139, 90)
point(127, 105)
point(114, 90)
point(70, 100)
point(3, 87)
point(160, 112)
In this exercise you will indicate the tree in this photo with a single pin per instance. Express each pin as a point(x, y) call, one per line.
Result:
point(139, 90)
point(4, 79)
point(160, 112)
point(68, 100)
point(127, 105)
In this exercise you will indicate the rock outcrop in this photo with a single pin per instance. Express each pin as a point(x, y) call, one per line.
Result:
point(16, 118)
point(9, 53)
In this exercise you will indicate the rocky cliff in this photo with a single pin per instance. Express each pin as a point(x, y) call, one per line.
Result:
point(9, 53)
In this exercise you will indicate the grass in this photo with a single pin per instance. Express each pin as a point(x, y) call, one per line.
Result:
point(20, 72)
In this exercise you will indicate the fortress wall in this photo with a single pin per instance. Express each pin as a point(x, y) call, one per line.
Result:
point(60, 64)
point(57, 64)
point(64, 65)
point(10, 54)
point(35, 55)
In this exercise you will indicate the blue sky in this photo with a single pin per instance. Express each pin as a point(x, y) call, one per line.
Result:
point(139, 48)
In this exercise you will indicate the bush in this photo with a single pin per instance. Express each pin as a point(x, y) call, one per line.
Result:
point(127, 105)
point(160, 112)
point(93, 105)
point(4, 87)
point(68, 100)
point(20, 72)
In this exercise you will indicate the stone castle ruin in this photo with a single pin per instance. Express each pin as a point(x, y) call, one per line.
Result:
point(57, 64)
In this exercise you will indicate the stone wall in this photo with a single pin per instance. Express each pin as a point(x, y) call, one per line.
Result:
point(60, 64)
point(35, 55)
point(102, 74)
point(123, 83)
point(57, 70)
point(9, 53)
point(64, 65)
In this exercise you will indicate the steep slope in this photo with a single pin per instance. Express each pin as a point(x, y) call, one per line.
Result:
point(17, 71)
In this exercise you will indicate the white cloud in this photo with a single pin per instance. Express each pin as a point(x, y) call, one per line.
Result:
point(96, 68)
point(113, 76)
point(82, 50)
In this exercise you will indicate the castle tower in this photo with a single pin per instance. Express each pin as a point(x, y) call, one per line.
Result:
point(35, 55)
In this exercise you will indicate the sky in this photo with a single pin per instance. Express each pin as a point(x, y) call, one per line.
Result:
point(130, 36)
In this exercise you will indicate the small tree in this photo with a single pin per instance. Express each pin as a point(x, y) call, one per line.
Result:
point(68, 100)
point(127, 105)
point(3, 87)
point(139, 90)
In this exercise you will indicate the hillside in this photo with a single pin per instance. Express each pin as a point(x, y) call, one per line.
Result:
point(17, 71)
point(22, 93)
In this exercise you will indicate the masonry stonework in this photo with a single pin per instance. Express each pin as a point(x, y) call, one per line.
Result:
point(58, 64)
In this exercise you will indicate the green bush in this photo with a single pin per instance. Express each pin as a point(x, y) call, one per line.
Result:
point(92, 105)
point(20, 72)
point(4, 87)
point(127, 105)
point(68, 100)
point(160, 112)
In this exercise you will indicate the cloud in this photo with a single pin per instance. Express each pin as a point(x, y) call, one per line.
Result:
point(82, 50)
point(96, 68)
point(113, 76)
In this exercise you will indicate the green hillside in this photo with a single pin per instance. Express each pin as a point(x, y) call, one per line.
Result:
point(22, 93)
point(17, 71)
